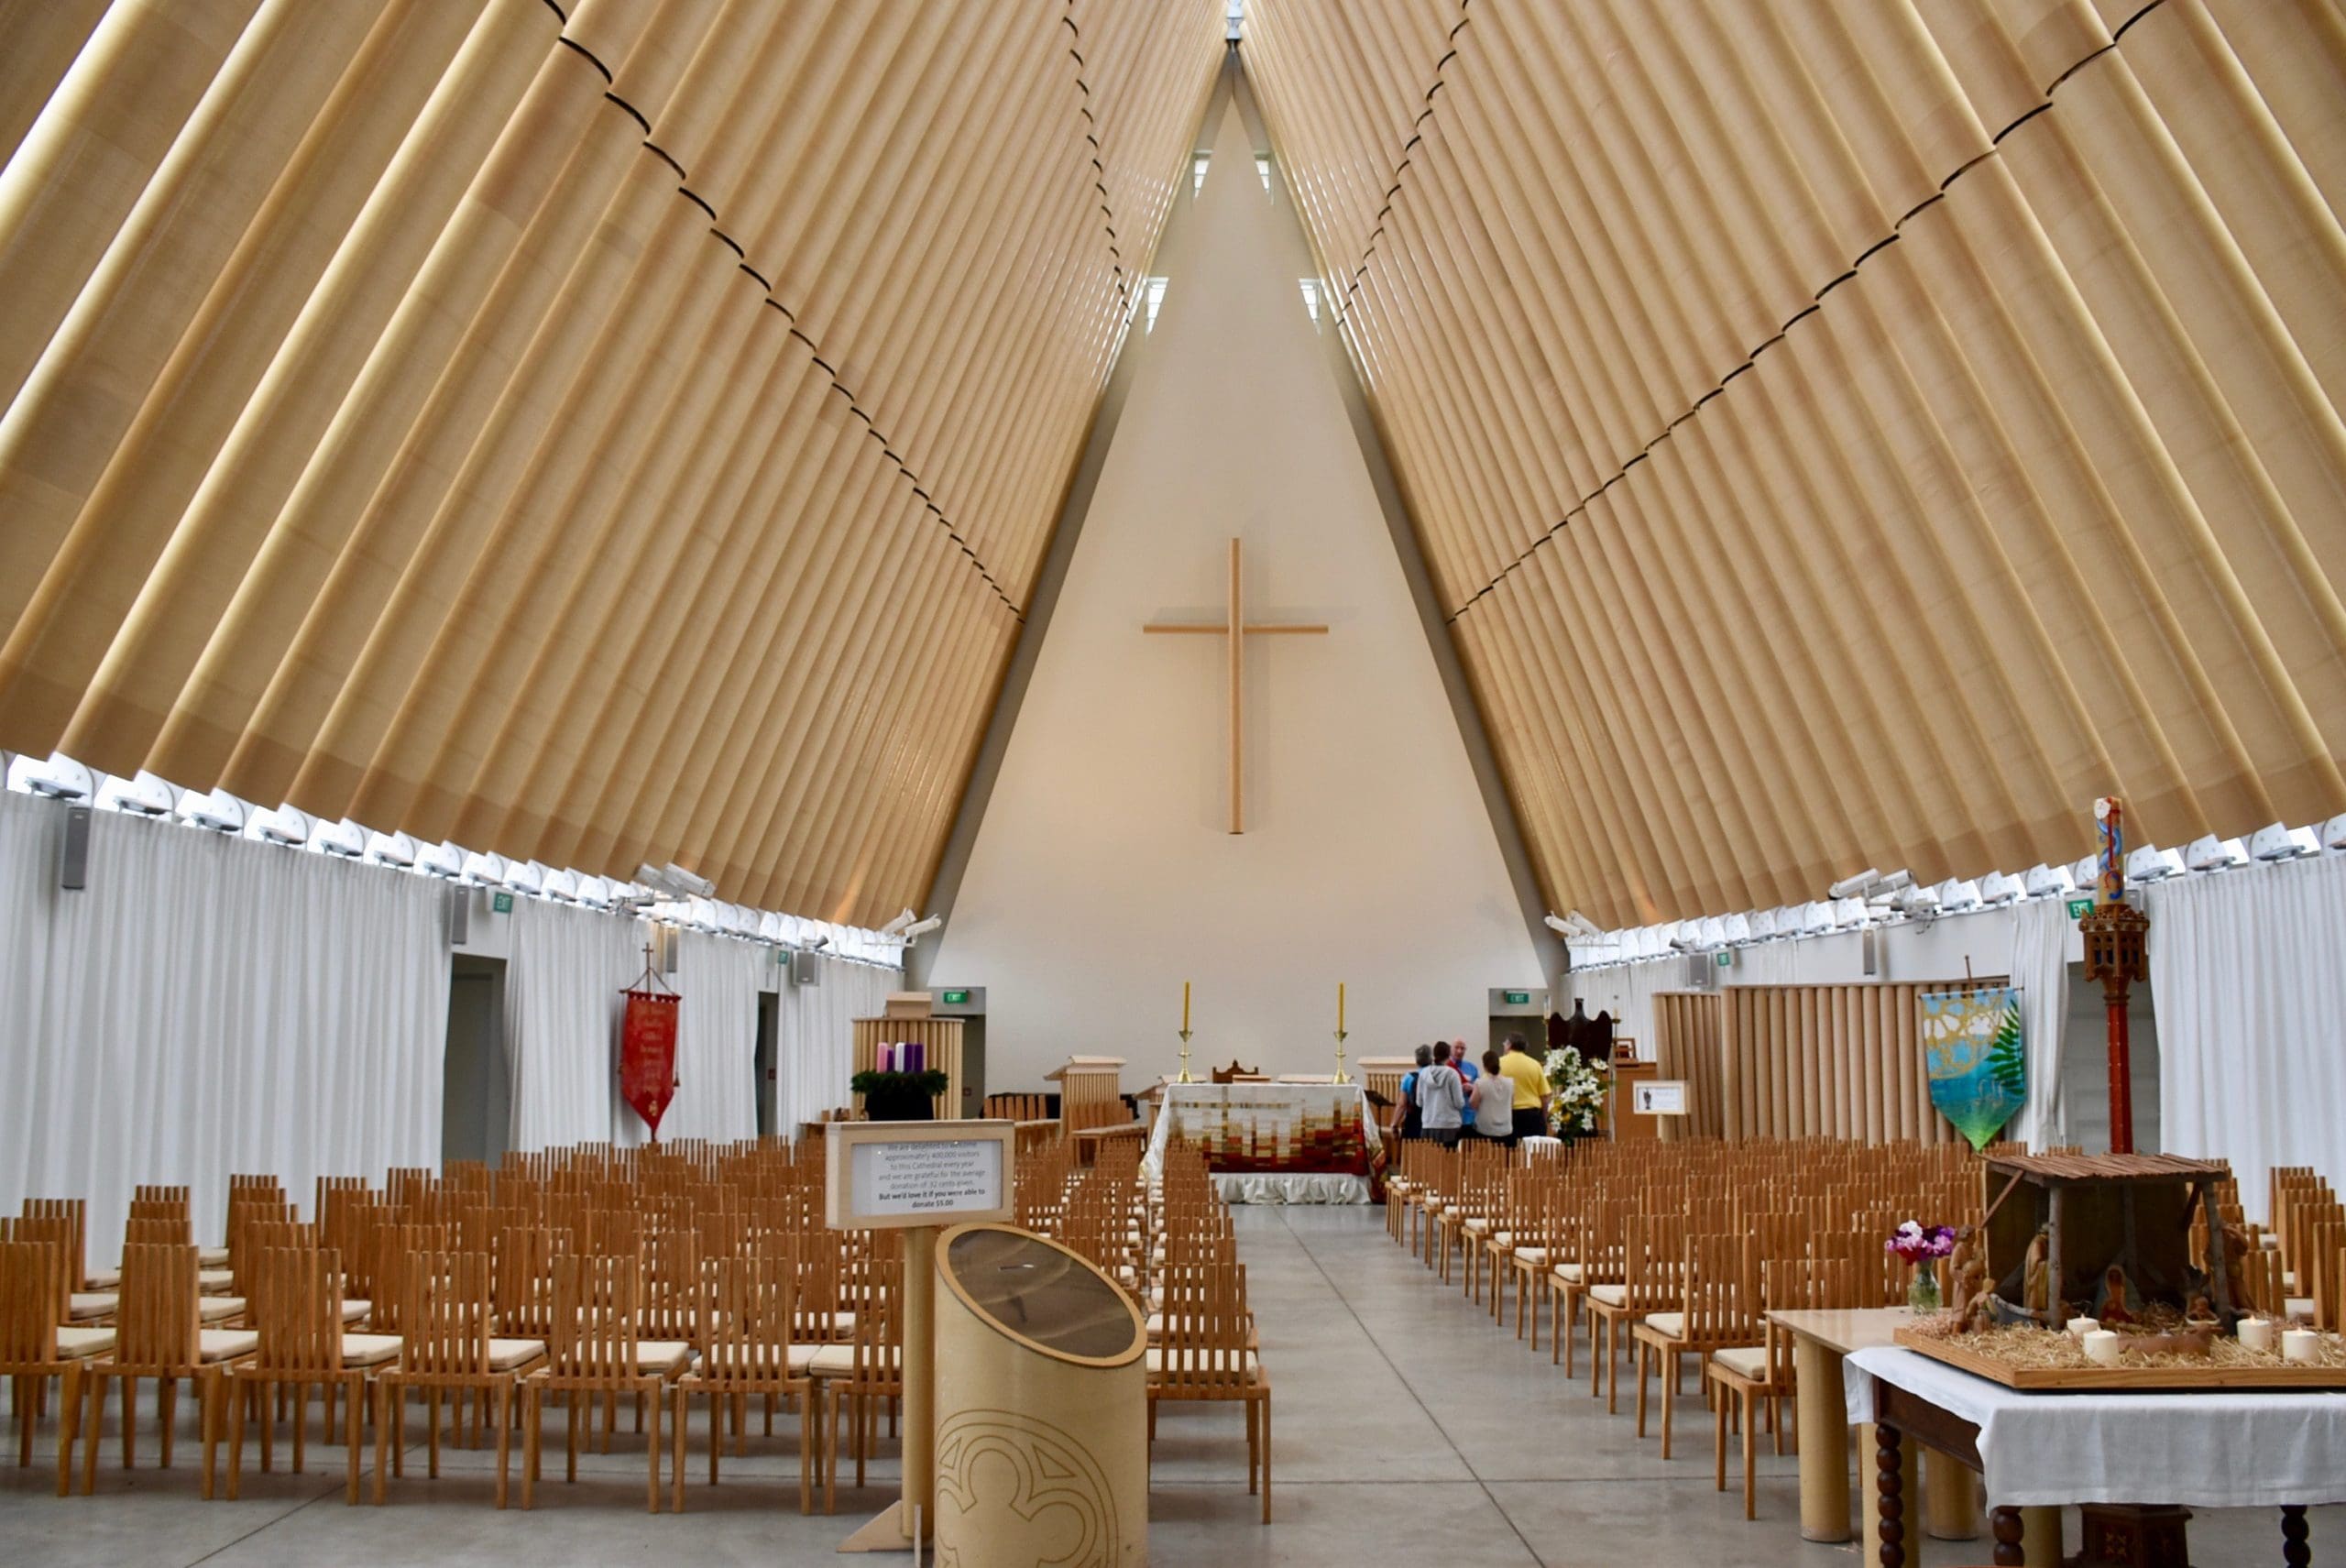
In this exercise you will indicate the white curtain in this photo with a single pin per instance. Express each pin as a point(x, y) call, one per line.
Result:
point(1625, 991)
point(815, 1044)
point(209, 1005)
point(716, 1037)
point(2248, 977)
point(2040, 967)
point(561, 1012)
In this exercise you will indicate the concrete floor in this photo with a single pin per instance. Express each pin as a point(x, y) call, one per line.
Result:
point(1409, 1431)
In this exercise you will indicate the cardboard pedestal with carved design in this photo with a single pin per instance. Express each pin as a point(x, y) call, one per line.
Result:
point(1042, 1406)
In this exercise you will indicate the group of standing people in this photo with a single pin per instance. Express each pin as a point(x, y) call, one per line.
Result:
point(1445, 1097)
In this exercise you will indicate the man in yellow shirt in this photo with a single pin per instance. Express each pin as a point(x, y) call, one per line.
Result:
point(1531, 1081)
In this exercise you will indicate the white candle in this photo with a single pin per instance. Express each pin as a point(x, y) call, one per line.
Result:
point(2080, 1327)
point(2101, 1347)
point(2256, 1333)
point(2300, 1347)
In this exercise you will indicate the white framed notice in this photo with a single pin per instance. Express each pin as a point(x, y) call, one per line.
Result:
point(891, 1174)
point(1659, 1097)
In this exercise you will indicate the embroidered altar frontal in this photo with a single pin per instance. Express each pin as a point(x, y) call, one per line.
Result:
point(1276, 1130)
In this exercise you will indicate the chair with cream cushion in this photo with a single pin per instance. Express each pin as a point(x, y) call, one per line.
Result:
point(297, 1306)
point(746, 1348)
point(161, 1335)
point(1718, 1308)
point(1205, 1353)
point(594, 1348)
point(852, 1380)
point(447, 1344)
point(34, 1348)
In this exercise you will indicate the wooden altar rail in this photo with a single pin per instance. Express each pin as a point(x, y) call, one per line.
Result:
point(1792, 1061)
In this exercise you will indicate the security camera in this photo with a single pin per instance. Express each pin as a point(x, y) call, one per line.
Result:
point(1854, 886)
point(687, 883)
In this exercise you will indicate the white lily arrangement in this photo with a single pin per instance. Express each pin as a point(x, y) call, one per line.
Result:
point(1580, 1088)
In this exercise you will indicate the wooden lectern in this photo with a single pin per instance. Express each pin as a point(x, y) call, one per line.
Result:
point(1091, 1103)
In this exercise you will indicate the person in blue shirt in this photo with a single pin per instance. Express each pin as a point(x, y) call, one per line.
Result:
point(1405, 1115)
point(1465, 1066)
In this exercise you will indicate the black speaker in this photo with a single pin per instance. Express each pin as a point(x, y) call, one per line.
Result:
point(73, 864)
point(460, 915)
point(806, 968)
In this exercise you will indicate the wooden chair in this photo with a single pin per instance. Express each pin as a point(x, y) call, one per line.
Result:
point(594, 1349)
point(1652, 1254)
point(59, 1221)
point(745, 1336)
point(1205, 1353)
point(297, 1305)
point(448, 1341)
point(34, 1348)
point(1719, 1310)
point(160, 1334)
point(854, 1378)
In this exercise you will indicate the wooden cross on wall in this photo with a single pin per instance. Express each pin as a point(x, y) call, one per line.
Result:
point(1235, 629)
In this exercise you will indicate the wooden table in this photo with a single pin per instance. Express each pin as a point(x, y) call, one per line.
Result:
point(1820, 1339)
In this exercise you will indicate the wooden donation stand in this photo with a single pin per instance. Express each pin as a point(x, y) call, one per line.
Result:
point(916, 1177)
point(1622, 1119)
point(1042, 1406)
point(907, 1022)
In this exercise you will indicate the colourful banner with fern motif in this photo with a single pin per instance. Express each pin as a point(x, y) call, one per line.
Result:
point(1973, 1051)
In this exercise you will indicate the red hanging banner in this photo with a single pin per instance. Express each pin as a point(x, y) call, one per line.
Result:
point(648, 1054)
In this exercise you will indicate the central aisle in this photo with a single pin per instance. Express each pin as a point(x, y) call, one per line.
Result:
point(1410, 1430)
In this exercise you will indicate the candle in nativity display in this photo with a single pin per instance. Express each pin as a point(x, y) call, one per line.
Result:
point(2080, 1327)
point(2256, 1333)
point(2102, 1347)
point(2300, 1347)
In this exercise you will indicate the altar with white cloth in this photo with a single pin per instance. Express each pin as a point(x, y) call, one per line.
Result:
point(1275, 1143)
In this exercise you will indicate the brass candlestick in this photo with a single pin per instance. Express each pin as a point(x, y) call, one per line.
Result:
point(1341, 1076)
point(1185, 1077)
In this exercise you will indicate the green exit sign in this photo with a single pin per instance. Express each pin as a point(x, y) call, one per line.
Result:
point(1518, 999)
point(502, 903)
point(2080, 907)
point(1726, 960)
point(956, 999)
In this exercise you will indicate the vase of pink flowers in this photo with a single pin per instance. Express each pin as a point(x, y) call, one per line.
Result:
point(1921, 1245)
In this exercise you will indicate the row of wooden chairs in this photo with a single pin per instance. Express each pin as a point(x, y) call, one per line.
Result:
point(1676, 1252)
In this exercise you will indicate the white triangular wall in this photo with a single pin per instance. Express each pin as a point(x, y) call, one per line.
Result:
point(1103, 875)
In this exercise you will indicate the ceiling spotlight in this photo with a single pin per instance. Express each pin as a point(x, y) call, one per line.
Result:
point(142, 796)
point(392, 850)
point(441, 859)
point(896, 925)
point(2279, 843)
point(345, 839)
point(287, 824)
point(58, 776)
point(920, 929)
point(2213, 854)
point(217, 811)
point(2042, 882)
point(1958, 893)
point(2150, 864)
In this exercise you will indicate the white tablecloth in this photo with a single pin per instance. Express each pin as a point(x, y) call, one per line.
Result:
point(1263, 1116)
point(2211, 1450)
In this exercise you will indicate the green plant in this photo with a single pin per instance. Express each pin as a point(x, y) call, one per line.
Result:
point(2006, 1065)
point(932, 1082)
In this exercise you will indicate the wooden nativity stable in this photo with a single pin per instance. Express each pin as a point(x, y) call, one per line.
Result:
point(2111, 1225)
